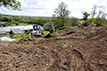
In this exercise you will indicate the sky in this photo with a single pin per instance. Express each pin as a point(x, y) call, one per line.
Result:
point(47, 7)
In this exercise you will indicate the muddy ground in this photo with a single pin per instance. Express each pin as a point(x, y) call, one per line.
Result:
point(81, 49)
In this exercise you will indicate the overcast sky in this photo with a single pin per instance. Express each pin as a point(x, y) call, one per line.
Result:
point(46, 7)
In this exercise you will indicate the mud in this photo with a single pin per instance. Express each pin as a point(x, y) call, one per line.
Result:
point(81, 49)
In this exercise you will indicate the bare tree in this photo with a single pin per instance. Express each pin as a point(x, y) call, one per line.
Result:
point(93, 12)
point(61, 12)
point(101, 11)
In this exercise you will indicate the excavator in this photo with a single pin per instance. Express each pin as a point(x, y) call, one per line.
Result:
point(38, 30)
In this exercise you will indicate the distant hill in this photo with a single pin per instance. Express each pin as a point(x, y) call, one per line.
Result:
point(26, 16)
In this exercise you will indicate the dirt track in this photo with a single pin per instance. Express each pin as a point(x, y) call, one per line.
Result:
point(82, 49)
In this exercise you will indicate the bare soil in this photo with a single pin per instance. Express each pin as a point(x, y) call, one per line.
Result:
point(81, 49)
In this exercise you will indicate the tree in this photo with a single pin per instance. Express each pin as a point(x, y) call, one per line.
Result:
point(14, 4)
point(61, 12)
point(85, 16)
point(93, 12)
point(101, 11)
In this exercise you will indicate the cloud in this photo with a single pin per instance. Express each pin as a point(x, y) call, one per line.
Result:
point(46, 7)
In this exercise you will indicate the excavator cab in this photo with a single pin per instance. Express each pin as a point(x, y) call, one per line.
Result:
point(37, 30)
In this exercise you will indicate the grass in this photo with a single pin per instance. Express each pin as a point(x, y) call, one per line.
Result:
point(14, 24)
point(65, 44)
point(105, 24)
point(18, 37)
point(21, 24)
point(24, 24)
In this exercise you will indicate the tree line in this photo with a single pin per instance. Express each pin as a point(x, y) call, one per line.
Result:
point(60, 17)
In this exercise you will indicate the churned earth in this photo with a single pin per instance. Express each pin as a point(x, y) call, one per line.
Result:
point(81, 49)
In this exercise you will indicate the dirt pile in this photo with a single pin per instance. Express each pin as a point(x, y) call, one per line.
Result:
point(85, 32)
point(81, 49)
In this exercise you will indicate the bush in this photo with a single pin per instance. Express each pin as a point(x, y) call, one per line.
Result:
point(57, 23)
point(77, 23)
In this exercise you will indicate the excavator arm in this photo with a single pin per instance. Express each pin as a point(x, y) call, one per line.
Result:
point(50, 23)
